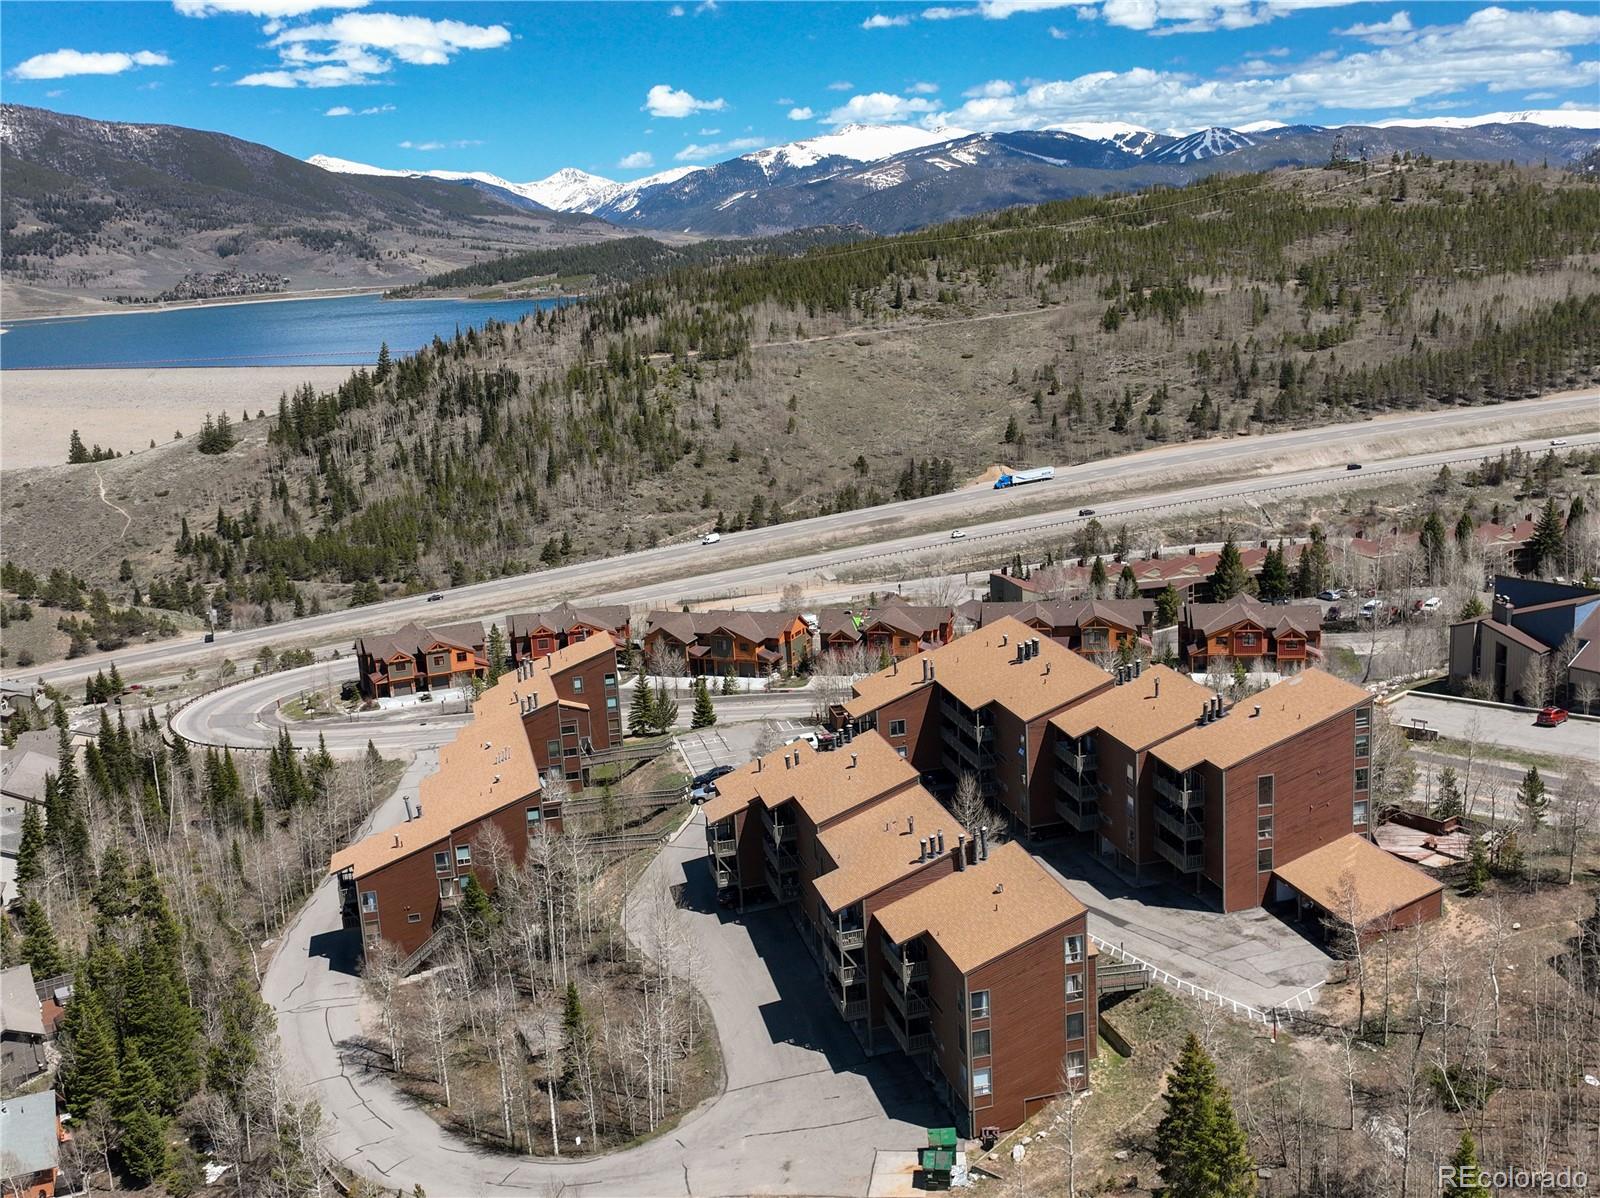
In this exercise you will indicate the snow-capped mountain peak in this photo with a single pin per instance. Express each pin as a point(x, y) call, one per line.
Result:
point(1260, 127)
point(1553, 118)
point(862, 143)
point(1207, 143)
point(571, 190)
point(1100, 130)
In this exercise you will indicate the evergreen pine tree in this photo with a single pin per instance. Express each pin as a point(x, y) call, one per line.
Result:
point(10, 950)
point(576, 1040)
point(1549, 538)
point(705, 714)
point(664, 709)
point(30, 847)
point(475, 905)
point(1465, 1183)
point(89, 1075)
point(1230, 578)
point(498, 653)
point(1274, 583)
point(1449, 800)
point(1168, 604)
point(1531, 798)
point(1199, 1144)
point(641, 711)
point(1097, 577)
point(39, 948)
point(141, 1131)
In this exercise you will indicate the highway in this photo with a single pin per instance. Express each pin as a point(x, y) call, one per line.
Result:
point(765, 559)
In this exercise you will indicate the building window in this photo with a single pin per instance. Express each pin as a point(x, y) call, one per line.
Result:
point(611, 702)
point(897, 727)
point(1074, 986)
point(901, 750)
point(552, 748)
point(447, 888)
point(980, 1043)
point(535, 818)
point(1363, 745)
point(1075, 1026)
point(980, 1004)
point(1263, 827)
point(1360, 813)
point(1363, 777)
point(982, 1082)
point(1074, 949)
point(1265, 786)
point(1363, 717)
point(441, 863)
point(1075, 1065)
point(414, 917)
point(369, 901)
point(569, 729)
point(577, 686)
point(1263, 860)
point(463, 856)
point(611, 682)
point(1247, 640)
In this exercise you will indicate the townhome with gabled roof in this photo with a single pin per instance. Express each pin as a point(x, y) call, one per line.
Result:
point(413, 659)
point(896, 629)
point(540, 720)
point(535, 634)
point(749, 644)
point(1246, 629)
point(1094, 628)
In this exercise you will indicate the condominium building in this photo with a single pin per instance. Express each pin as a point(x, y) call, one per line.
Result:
point(537, 633)
point(541, 720)
point(413, 659)
point(1095, 628)
point(981, 705)
point(1245, 629)
point(895, 629)
point(750, 644)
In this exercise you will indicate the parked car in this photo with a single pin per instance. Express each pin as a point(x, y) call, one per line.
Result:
point(703, 786)
point(956, 534)
point(809, 737)
point(435, 597)
point(1549, 717)
point(1086, 511)
point(1331, 594)
point(1352, 465)
point(711, 538)
point(1369, 609)
point(1431, 604)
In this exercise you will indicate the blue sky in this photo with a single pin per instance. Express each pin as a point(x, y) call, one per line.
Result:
point(622, 89)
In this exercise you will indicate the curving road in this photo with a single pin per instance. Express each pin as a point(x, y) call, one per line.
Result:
point(765, 559)
point(803, 1110)
point(246, 714)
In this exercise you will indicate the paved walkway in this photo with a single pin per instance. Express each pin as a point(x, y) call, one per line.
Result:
point(803, 1112)
point(1252, 956)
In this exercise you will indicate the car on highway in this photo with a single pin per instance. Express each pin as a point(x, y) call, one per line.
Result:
point(1086, 511)
point(710, 538)
point(1352, 465)
point(956, 534)
point(1558, 441)
point(435, 597)
point(1549, 717)
point(703, 786)
point(1331, 595)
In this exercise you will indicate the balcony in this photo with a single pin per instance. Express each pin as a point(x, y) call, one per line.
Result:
point(1081, 788)
point(1185, 790)
point(1184, 825)
point(779, 831)
point(1079, 760)
point(846, 938)
point(722, 845)
point(1081, 816)
point(845, 969)
point(1186, 860)
point(911, 1043)
point(904, 971)
point(781, 860)
point(724, 875)
point(909, 1003)
point(851, 1007)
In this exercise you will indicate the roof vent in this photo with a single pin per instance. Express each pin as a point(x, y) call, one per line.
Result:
point(999, 887)
point(758, 765)
point(1002, 640)
point(397, 840)
point(488, 744)
point(787, 763)
point(922, 849)
point(1256, 712)
point(983, 843)
point(496, 781)
point(940, 835)
point(1158, 688)
point(911, 823)
point(1138, 667)
point(1047, 668)
point(853, 759)
point(961, 852)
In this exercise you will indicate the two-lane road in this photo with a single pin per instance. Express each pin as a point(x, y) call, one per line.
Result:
point(765, 559)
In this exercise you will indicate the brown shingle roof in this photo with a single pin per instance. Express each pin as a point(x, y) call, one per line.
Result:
point(1125, 613)
point(981, 913)
point(686, 626)
point(1159, 703)
point(1209, 618)
point(1287, 709)
point(566, 616)
point(879, 845)
point(824, 785)
point(1380, 883)
point(982, 668)
point(488, 765)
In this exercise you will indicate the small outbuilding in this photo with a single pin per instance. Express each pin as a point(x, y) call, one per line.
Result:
point(1355, 884)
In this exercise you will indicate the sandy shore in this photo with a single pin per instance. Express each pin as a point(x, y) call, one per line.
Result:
point(127, 409)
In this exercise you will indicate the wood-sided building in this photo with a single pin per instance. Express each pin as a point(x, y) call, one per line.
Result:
point(896, 630)
point(994, 970)
point(1245, 629)
point(981, 705)
point(537, 721)
point(413, 659)
point(749, 644)
point(536, 634)
point(1093, 628)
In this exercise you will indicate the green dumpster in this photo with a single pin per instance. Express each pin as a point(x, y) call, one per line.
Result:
point(938, 1159)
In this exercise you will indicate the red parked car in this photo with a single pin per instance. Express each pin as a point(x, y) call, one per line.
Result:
point(1549, 717)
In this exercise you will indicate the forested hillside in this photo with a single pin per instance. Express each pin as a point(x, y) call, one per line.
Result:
point(750, 392)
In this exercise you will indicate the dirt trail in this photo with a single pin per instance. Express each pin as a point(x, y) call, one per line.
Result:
point(127, 520)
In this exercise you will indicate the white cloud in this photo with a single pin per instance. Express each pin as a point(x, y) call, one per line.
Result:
point(840, 85)
point(944, 13)
point(1396, 29)
point(784, 101)
point(709, 132)
point(638, 160)
point(54, 92)
point(923, 89)
point(700, 153)
point(675, 11)
point(663, 101)
point(878, 108)
point(1494, 48)
point(270, 9)
point(1059, 33)
point(801, 114)
point(60, 64)
point(878, 21)
point(430, 146)
point(353, 47)
point(991, 90)
point(346, 110)
point(1163, 16)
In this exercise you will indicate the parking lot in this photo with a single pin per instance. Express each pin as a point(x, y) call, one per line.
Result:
point(1510, 727)
point(732, 744)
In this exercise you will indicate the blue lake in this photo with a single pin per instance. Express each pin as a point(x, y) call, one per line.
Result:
point(346, 331)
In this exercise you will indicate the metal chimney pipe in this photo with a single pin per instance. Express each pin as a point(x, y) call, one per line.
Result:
point(940, 834)
point(911, 823)
point(1158, 688)
point(961, 852)
point(922, 850)
point(983, 843)
point(852, 760)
